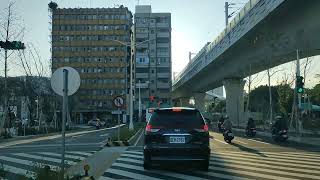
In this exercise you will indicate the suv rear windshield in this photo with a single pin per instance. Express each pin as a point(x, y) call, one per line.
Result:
point(177, 119)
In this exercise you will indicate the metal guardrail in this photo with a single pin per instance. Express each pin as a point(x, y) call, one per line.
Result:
point(248, 6)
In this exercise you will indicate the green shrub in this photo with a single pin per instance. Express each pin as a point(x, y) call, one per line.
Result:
point(3, 173)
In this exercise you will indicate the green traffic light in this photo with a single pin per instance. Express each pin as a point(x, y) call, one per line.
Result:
point(300, 90)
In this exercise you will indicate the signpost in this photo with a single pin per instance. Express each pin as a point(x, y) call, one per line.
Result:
point(65, 81)
point(118, 102)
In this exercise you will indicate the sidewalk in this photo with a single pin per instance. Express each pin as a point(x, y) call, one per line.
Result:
point(101, 160)
point(98, 162)
point(304, 140)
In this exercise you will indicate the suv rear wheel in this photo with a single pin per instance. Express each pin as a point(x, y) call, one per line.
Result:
point(146, 162)
point(204, 165)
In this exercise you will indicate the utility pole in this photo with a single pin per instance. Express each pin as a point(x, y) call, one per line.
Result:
point(140, 113)
point(270, 97)
point(299, 94)
point(131, 80)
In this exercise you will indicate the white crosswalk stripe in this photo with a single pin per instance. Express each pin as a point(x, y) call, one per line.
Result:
point(24, 164)
point(225, 165)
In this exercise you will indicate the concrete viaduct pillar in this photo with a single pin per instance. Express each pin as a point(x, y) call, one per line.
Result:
point(234, 100)
point(199, 101)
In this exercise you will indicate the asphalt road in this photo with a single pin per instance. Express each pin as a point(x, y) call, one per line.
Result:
point(90, 140)
point(19, 158)
point(244, 158)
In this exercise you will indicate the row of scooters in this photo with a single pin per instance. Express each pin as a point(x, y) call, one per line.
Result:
point(278, 135)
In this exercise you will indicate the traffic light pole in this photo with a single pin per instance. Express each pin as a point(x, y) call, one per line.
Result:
point(5, 87)
point(298, 75)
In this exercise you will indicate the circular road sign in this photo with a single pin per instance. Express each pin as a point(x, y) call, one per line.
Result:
point(118, 101)
point(73, 81)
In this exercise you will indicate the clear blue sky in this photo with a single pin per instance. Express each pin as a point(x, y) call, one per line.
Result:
point(193, 24)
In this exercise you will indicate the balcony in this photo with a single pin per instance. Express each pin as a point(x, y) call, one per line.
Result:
point(163, 54)
point(142, 85)
point(141, 35)
point(163, 85)
point(160, 25)
point(142, 75)
point(164, 75)
point(166, 45)
point(163, 34)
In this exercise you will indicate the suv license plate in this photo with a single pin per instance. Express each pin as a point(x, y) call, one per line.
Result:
point(177, 140)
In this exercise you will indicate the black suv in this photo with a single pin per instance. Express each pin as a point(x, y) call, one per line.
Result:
point(176, 134)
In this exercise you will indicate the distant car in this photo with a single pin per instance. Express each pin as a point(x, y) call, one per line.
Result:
point(176, 134)
point(94, 122)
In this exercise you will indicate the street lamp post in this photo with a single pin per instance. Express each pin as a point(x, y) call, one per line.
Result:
point(133, 46)
point(140, 113)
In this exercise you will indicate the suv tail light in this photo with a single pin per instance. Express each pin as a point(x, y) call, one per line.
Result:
point(149, 128)
point(205, 128)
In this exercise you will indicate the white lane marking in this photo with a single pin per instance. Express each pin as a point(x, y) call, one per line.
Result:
point(25, 162)
point(131, 175)
point(308, 155)
point(80, 153)
point(257, 175)
point(166, 173)
point(258, 141)
point(224, 176)
point(131, 155)
point(130, 160)
point(271, 160)
point(44, 158)
point(104, 135)
point(220, 141)
point(134, 152)
point(284, 156)
point(19, 171)
point(53, 145)
point(262, 166)
point(59, 155)
point(76, 136)
point(240, 142)
point(135, 144)
point(105, 178)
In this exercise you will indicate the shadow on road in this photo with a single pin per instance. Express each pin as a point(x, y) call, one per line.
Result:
point(247, 149)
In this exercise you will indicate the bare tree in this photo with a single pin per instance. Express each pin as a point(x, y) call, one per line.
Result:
point(7, 34)
point(270, 73)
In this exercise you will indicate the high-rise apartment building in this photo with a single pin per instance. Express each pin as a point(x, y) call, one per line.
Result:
point(153, 57)
point(88, 39)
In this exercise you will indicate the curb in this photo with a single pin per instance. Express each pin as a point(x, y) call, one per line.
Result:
point(123, 143)
point(117, 143)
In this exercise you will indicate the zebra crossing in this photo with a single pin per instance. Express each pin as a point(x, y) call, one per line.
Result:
point(25, 164)
point(224, 165)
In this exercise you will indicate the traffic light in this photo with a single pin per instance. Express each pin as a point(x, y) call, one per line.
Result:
point(300, 84)
point(12, 45)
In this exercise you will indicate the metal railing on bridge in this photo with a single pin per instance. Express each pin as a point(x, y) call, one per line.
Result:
point(208, 47)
